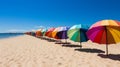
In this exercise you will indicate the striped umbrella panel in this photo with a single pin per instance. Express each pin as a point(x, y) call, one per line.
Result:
point(78, 35)
point(104, 34)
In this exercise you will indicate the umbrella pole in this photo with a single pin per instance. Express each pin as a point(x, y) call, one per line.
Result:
point(106, 49)
point(60, 41)
point(106, 41)
point(80, 42)
point(80, 45)
point(65, 40)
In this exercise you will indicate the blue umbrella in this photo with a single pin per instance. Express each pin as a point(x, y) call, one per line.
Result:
point(77, 33)
point(62, 33)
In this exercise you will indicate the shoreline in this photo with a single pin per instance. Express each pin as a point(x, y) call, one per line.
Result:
point(11, 36)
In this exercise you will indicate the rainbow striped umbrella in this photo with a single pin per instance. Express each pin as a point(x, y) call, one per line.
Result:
point(77, 33)
point(28, 33)
point(33, 32)
point(49, 32)
point(62, 33)
point(43, 32)
point(105, 32)
point(54, 33)
point(38, 33)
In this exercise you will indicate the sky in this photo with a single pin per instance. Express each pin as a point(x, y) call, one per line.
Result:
point(26, 15)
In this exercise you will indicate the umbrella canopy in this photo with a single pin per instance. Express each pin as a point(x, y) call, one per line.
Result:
point(77, 33)
point(43, 32)
point(28, 33)
point(105, 32)
point(38, 33)
point(62, 33)
point(49, 32)
point(33, 32)
point(55, 32)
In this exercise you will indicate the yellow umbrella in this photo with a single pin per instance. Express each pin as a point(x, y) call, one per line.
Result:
point(105, 32)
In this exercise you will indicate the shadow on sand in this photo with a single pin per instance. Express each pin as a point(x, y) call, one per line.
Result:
point(62, 42)
point(110, 56)
point(90, 50)
point(70, 45)
point(51, 40)
point(47, 39)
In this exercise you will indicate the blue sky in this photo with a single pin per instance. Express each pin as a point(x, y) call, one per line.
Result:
point(21, 15)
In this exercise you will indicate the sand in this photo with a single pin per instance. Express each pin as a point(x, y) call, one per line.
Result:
point(28, 51)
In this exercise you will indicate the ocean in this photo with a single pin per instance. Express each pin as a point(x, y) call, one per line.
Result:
point(8, 35)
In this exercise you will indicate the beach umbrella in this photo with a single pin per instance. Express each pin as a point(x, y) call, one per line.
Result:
point(77, 33)
point(38, 33)
point(49, 32)
point(55, 32)
point(62, 34)
point(33, 32)
point(43, 32)
point(105, 32)
point(28, 33)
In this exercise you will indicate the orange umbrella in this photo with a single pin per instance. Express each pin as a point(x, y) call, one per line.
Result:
point(28, 33)
point(49, 32)
point(55, 32)
point(105, 32)
point(38, 33)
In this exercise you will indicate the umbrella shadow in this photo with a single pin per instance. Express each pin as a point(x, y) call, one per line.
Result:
point(70, 45)
point(51, 40)
point(62, 42)
point(43, 38)
point(110, 56)
point(89, 50)
point(40, 37)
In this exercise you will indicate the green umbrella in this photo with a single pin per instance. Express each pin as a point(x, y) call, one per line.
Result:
point(43, 32)
point(77, 33)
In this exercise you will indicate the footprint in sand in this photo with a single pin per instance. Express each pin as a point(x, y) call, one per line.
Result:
point(59, 63)
point(0, 62)
point(62, 58)
point(43, 62)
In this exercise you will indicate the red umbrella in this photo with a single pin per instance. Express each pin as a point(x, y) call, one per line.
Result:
point(49, 32)
point(105, 32)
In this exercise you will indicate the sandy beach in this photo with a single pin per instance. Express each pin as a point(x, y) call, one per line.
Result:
point(29, 51)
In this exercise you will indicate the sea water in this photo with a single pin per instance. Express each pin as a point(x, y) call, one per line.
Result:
point(8, 35)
